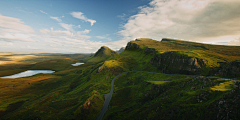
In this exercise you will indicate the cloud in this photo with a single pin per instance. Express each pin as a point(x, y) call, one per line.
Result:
point(84, 32)
point(16, 36)
point(10, 24)
point(122, 16)
point(56, 18)
point(79, 26)
point(55, 33)
point(80, 15)
point(13, 29)
point(66, 26)
point(76, 35)
point(104, 37)
point(198, 20)
point(43, 12)
point(235, 42)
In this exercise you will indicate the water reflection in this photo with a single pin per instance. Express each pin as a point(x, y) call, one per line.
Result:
point(28, 73)
point(77, 64)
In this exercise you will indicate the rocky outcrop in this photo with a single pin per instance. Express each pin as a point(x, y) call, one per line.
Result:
point(231, 69)
point(173, 62)
point(150, 50)
point(132, 46)
point(120, 50)
point(227, 107)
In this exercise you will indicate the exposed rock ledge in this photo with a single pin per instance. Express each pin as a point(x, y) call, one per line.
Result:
point(172, 62)
point(230, 69)
point(131, 45)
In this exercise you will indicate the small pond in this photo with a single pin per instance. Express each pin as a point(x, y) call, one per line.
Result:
point(77, 64)
point(28, 73)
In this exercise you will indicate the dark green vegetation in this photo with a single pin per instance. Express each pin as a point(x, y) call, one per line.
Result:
point(77, 92)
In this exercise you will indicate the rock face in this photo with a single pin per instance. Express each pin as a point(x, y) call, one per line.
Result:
point(230, 69)
point(172, 62)
point(120, 50)
point(131, 46)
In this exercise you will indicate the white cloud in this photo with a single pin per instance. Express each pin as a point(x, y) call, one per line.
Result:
point(80, 15)
point(55, 33)
point(235, 42)
point(199, 20)
point(13, 29)
point(66, 26)
point(79, 26)
point(122, 16)
point(43, 12)
point(104, 37)
point(56, 18)
point(16, 36)
point(10, 24)
point(83, 32)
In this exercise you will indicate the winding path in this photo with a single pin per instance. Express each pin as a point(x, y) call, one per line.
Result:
point(109, 95)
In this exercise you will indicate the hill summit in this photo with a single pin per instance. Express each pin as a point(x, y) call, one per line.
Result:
point(102, 54)
point(105, 51)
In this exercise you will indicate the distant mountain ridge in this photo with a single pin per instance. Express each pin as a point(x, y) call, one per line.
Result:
point(120, 50)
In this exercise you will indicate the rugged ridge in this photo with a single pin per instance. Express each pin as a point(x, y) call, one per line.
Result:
point(133, 46)
point(230, 69)
point(172, 62)
point(120, 50)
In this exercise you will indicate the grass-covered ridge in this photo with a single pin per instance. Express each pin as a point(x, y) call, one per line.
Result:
point(215, 56)
point(77, 92)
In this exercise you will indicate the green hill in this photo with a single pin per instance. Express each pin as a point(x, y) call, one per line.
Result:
point(102, 54)
point(78, 92)
point(175, 56)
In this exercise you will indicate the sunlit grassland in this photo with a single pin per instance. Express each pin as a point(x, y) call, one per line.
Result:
point(12, 63)
point(225, 85)
point(158, 82)
point(11, 88)
point(47, 95)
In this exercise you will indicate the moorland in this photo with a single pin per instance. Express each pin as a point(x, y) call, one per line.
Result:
point(197, 81)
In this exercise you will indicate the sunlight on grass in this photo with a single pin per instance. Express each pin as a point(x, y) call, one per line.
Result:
point(111, 63)
point(225, 86)
point(158, 82)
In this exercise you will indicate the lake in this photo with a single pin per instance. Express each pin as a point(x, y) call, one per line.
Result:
point(77, 64)
point(28, 73)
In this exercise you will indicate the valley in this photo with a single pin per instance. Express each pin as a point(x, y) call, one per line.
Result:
point(168, 79)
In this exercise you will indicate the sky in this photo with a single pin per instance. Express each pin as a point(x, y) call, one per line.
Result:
point(83, 26)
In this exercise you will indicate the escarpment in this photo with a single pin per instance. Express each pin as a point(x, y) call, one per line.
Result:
point(230, 69)
point(172, 62)
point(132, 46)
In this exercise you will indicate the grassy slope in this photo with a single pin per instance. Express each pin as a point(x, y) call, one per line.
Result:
point(47, 96)
point(151, 96)
point(216, 55)
point(77, 92)
point(137, 96)
point(102, 54)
